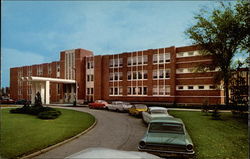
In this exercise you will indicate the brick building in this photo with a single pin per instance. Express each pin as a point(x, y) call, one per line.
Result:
point(156, 75)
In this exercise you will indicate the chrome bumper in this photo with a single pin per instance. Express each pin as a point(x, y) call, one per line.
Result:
point(168, 153)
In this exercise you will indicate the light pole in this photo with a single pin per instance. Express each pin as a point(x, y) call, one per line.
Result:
point(74, 104)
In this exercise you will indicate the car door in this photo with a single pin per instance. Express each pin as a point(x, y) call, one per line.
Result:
point(147, 116)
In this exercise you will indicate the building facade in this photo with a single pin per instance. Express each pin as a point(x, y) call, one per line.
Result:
point(156, 75)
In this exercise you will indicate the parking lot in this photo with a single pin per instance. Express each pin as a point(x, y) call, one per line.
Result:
point(113, 130)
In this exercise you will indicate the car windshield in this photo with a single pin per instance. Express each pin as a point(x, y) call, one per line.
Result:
point(140, 106)
point(166, 128)
point(159, 111)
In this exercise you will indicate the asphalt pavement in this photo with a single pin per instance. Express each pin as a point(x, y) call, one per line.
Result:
point(113, 130)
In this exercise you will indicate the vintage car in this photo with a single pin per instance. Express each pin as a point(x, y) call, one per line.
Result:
point(167, 137)
point(23, 101)
point(154, 113)
point(7, 101)
point(137, 109)
point(119, 106)
point(98, 104)
point(101, 152)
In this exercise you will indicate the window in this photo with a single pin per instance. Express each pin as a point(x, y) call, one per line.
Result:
point(145, 59)
point(140, 75)
point(201, 87)
point(115, 90)
point(190, 87)
point(129, 91)
point(161, 58)
point(134, 75)
point(145, 74)
point(162, 74)
point(49, 69)
point(155, 90)
point(180, 87)
point(180, 54)
point(190, 70)
point(129, 61)
point(129, 75)
point(111, 76)
point(155, 74)
point(180, 70)
point(57, 70)
point(211, 87)
point(155, 58)
point(190, 53)
point(137, 90)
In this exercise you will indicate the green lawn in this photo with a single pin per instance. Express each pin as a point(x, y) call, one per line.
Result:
point(216, 139)
point(23, 134)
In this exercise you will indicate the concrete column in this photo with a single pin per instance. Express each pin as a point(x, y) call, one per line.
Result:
point(42, 92)
point(47, 93)
point(72, 97)
point(33, 92)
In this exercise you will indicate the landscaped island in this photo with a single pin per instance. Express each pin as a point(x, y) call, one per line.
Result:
point(23, 134)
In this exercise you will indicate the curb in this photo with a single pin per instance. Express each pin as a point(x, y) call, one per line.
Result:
point(59, 144)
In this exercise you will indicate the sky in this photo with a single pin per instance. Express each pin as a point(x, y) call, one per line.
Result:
point(35, 32)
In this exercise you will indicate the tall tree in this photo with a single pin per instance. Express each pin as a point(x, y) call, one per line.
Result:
point(222, 32)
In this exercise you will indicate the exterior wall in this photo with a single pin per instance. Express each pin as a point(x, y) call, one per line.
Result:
point(159, 89)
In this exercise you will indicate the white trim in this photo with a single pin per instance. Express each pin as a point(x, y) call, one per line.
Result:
point(57, 80)
point(193, 77)
point(194, 61)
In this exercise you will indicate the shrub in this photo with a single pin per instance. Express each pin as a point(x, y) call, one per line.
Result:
point(51, 114)
point(36, 110)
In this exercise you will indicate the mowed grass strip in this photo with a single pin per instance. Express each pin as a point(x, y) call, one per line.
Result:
point(23, 134)
point(216, 139)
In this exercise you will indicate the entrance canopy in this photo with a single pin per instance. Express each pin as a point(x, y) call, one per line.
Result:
point(56, 80)
point(42, 85)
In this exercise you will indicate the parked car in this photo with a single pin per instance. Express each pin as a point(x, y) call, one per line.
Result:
point(167, 137)
point(137, 109)
point(119, 106)
point(98, 104)
point(7, 101)
point(100, 152)
point(23, 101)
point(154, 113)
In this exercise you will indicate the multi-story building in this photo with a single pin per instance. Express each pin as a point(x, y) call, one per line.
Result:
point(156, 75)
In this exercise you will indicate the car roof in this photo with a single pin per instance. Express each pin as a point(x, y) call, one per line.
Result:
point(167, 120)
point(157, 108)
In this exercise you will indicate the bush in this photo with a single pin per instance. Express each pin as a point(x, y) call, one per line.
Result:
point(51, 114)
point(36, 110)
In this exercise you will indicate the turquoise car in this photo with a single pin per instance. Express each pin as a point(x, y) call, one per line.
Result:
point(167, 137)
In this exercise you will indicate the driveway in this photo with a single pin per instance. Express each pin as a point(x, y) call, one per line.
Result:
point(113, 130)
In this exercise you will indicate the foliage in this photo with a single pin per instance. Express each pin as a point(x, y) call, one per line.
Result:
point(221, 33)
point(51, 114)
point(215, 114)
point(205, 107)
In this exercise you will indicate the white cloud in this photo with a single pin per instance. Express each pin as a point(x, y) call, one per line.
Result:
point(16, 58)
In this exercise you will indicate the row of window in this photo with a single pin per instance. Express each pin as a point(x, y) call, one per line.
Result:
point(140, 60)
point(140, 75)
point(188, 54)
point(195, 87)
point(39, 71)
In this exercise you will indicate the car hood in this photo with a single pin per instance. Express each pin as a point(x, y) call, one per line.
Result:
point(160, 115)
point(166, 138)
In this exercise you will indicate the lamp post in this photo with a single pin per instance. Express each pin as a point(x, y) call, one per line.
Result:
point(74, 104)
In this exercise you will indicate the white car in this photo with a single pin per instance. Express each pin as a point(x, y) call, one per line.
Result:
point(119, 106)
point(154, 113)
point(99, 152)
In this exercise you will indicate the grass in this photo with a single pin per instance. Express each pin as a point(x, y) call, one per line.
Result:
point(216, 139)
point(23, 134)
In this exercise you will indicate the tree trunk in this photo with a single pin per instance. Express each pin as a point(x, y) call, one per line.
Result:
point(226, 85)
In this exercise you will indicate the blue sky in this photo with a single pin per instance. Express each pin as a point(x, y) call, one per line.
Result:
point(35, 32)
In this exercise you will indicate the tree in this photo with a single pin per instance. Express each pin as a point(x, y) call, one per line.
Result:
point(221, 33)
